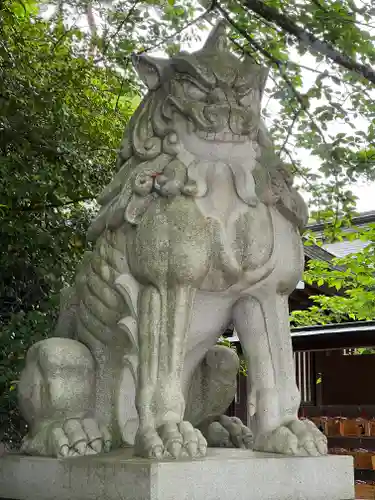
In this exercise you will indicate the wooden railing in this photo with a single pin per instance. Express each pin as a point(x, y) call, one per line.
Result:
point(341, 430)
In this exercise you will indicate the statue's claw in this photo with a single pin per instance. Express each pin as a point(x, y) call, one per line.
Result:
point(77, 437)
point(171, 440)
point(69, 438)
point(229, 432)
point(299, 437)
point(148, 444)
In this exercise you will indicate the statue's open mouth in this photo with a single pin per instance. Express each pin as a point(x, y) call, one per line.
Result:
point(222, 136)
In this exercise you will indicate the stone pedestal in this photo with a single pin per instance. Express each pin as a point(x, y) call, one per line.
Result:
point(224, 475)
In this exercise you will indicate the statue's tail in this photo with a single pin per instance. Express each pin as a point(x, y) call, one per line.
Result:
point(69, 302)
point(66, 324)
point(129, 289)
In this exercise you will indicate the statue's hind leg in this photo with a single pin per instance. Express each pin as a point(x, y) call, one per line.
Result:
point(212, 390)
point(163, 324)
point(57, 397)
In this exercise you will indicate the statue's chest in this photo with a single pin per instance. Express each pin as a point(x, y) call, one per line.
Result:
point(245, 232)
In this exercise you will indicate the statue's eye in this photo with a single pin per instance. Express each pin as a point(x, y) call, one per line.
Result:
point(194, 92)
point(246, 98)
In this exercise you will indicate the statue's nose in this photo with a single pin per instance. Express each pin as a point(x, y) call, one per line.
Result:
point(217, 115)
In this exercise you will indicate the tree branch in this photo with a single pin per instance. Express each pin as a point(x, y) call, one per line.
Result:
point(344, 21)
point(42, 207)
point(64, 35)
point(297, 170)
point(279, 66)
point(305, 37)
point(177, 32)
point(92, 27)
point(119, 94)
point(290, 130)
point(120, 26)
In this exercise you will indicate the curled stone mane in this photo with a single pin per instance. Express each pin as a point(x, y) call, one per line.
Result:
point(148, 145)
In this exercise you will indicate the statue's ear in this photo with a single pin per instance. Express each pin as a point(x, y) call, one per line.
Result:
point(149, 69)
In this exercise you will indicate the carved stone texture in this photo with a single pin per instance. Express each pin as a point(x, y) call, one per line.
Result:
point(224, 475)
point(199, 228)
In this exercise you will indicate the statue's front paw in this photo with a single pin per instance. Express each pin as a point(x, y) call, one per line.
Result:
point(173, 440)
point(69, 438)
point(229, 432)
point(299, 437)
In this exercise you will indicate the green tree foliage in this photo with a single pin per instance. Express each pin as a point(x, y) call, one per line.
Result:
point(61, 120)
point(353, 276)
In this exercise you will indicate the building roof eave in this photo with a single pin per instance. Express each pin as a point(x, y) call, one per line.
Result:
point(332, 336)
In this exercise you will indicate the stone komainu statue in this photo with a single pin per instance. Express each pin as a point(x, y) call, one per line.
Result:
point(199, 228)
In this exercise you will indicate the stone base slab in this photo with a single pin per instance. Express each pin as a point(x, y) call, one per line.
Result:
point(223, 475)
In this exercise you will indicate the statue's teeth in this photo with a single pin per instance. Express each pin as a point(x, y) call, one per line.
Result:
point(220, 136)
